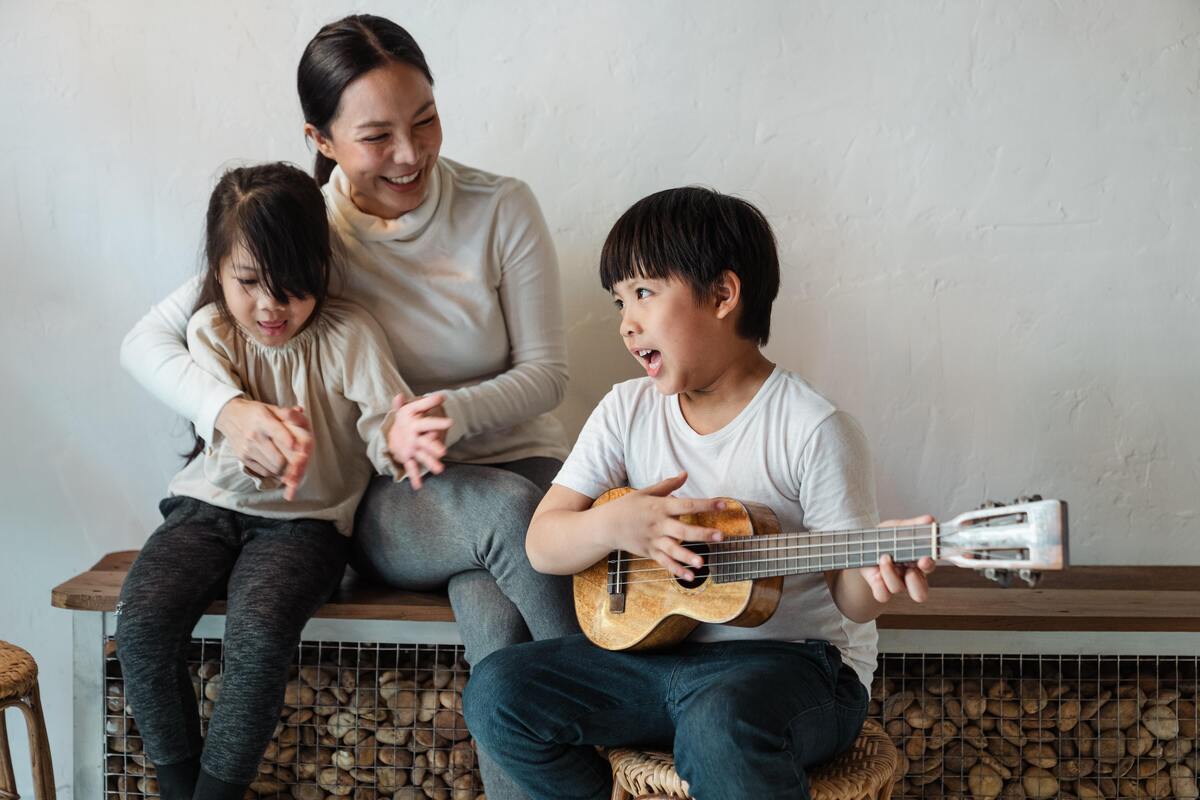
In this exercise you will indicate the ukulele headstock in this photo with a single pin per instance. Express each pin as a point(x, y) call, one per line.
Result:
point(1006, 541)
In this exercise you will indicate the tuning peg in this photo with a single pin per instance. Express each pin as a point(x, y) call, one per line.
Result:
point(990, 504)
point(1027, 498)
point(1030, 577)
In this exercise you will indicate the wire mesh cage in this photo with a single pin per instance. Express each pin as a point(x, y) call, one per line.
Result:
point(359, 720)
point(384, 722)
point(1024, 726)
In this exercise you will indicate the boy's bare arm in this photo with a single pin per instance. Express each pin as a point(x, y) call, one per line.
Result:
point(568, 535)
point(861, 594)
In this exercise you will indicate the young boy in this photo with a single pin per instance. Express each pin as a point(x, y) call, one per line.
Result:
point(693, 274)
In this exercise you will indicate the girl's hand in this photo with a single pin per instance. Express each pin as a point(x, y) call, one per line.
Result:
point(644, 523)
point(271, 441)
point(417, 435)
point(890, 578)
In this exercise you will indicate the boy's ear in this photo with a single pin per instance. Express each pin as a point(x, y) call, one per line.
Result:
point(324, 146)
point(727, 293)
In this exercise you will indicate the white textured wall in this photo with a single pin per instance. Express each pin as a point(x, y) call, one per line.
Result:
point(983, 210)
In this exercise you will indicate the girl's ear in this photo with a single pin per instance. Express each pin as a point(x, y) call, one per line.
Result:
point(323, 143)
point(727, 293)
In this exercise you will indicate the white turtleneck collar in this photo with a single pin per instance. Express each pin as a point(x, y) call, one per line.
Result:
point(368, 227)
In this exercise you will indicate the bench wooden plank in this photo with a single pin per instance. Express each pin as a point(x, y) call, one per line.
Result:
point(99, 588)
point(1084, 598)
point(1087, 598)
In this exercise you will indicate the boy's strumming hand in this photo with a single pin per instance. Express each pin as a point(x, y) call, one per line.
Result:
point(889, 578)
point(416, 436)
point(644, 523)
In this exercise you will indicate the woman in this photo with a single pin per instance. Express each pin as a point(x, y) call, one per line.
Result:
point(458, 267)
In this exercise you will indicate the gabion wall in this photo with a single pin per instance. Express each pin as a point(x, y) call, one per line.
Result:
point(384, 722)
point(1040, 726)
point(364, 721)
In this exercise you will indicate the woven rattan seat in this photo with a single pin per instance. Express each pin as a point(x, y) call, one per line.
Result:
point(18, 672)
point(19, 687)
point(865, 771)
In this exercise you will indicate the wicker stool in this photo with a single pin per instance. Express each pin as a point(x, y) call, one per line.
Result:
point(865, 772)
point(19, 687)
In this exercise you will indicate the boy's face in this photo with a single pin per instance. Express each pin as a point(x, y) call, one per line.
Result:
point(668, 331)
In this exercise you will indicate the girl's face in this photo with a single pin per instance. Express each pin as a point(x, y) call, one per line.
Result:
point(386, 138)
point(256, 312)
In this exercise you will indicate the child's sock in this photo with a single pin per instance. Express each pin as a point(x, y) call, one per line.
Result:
point(177, 781)
point(210, 788)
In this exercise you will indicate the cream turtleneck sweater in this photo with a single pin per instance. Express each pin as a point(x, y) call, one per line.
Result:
point(466, 290)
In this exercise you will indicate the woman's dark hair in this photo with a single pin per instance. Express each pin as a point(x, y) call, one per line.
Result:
point(278, 215)
point(695, 234)
point(341, 52)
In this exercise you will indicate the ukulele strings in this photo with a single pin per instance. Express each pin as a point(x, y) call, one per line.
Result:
point(771, 543)
point(746, 575)
point(740, 573)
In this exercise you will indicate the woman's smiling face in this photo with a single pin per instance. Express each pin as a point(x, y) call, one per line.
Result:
point(386, 137)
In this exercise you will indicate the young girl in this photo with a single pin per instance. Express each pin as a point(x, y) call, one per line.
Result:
point(264, 325)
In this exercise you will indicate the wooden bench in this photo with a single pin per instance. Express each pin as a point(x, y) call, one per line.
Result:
point(1112, 610)
point(1077, 599)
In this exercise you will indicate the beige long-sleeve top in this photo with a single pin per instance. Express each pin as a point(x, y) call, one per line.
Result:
point(340, 370)
point(466, 290)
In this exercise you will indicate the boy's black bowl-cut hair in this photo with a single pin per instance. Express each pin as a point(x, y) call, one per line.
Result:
point(695, 234)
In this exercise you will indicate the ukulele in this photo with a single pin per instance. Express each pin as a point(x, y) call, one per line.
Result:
point(628, 602)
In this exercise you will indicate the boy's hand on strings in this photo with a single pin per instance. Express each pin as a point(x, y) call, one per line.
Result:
point(644, 523)
point(889, 578)
point(272, 441)
point(417, 435)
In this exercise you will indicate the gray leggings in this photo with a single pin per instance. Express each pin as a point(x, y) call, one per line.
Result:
point(277, 574)
point(465, 530)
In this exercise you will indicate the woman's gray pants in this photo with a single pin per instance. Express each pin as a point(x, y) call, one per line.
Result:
point(465, 530)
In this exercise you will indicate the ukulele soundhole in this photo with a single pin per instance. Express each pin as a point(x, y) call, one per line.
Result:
point(701, 575)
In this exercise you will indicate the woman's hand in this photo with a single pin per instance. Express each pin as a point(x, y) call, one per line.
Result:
point(271, 441)
point(417, 435)
point(889, 578)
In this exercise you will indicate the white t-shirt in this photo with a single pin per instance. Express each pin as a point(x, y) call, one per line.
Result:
point(789, 449)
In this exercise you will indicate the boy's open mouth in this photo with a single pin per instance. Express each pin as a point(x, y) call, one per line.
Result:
point(651, 360)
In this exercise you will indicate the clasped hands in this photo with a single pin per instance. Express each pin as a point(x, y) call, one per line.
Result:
point(277, 441)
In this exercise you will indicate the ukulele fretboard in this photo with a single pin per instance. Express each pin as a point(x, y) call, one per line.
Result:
point(751, 557)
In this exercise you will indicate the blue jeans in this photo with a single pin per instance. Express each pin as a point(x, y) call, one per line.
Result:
point(746, 717)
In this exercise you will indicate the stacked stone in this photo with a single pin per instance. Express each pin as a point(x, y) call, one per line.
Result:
point(1010, 735)
point(351, 726)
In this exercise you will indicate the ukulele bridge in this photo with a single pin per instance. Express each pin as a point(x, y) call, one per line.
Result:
point(616, 582)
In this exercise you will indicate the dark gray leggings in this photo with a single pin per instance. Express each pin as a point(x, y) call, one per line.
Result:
point(277, 573)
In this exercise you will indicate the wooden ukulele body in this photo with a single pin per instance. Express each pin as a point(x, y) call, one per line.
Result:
point(657, 609)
